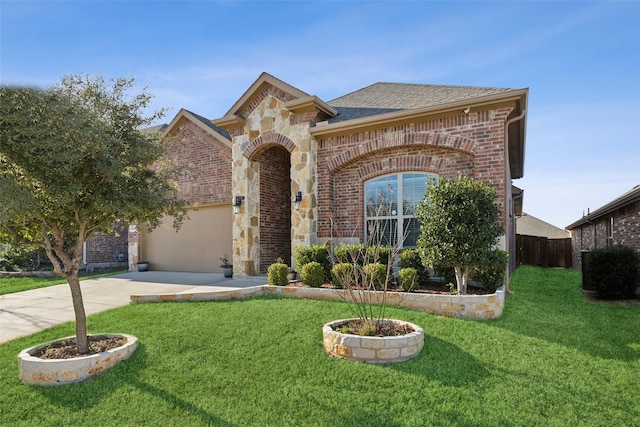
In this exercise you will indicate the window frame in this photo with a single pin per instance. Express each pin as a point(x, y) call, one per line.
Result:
point(401, 217)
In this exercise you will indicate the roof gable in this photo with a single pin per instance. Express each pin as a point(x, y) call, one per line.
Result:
point(218, 133)
point(263, 80)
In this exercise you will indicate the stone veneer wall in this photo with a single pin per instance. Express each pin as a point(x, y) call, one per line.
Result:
point(268, 123)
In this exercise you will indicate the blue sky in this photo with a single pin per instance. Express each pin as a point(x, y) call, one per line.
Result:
point(580, 61)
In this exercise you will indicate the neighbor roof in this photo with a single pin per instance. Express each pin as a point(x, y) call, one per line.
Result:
point(380, 98)
point(531, 226)
point(627, 198)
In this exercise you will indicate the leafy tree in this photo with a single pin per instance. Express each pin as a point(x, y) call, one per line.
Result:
point(459, 226)
point(73, 161)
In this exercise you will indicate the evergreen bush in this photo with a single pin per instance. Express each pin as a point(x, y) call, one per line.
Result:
point(408, 278)
point(342, 275)
point(312, 274)
point(277, 274)
point(614, 272)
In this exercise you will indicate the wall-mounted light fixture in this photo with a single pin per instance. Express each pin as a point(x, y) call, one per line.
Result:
point(297, 200)
point(236, 204)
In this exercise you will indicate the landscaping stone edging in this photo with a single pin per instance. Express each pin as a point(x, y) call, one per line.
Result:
point(488, 306)
point(376, 350)
point(52, 372)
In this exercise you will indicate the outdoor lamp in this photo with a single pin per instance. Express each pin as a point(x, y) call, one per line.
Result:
point(297, 200)
point(236, 205)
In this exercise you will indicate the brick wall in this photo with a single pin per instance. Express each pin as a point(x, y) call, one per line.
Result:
point(102, 248)
point(275, 206)
point(470, 144)
point(625, 231)
point(206, 178)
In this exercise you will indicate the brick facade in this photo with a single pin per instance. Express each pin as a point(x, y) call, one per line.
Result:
point(280, 141)
point(103, 248)
point(472, 145)
point(618, 227)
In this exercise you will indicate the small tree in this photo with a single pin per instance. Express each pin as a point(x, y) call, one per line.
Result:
point(459, 226)
point(73, 161)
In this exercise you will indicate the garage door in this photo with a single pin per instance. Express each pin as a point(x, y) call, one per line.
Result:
point(197, 247)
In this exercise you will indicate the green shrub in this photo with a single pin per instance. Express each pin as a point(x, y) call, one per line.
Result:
point(350, 253)
point(447, 273)
point(614, 271)
point(277, 274)
point(374, 275)
point(17, 258)
point(312, 274)
point(342, 275)
point(410, 258)
point(318, 253)
point(491, 275)
point(378, 254)
point(408, 278)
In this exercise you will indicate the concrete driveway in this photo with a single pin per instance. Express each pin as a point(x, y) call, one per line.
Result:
point(23, 313)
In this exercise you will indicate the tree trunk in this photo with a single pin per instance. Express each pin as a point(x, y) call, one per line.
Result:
point(462, 274)
point(82, 340)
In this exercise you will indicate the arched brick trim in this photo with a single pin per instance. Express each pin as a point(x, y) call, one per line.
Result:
point(265, 140)
point(390, 141)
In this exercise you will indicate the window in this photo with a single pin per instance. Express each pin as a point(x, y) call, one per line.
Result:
point(390, 206)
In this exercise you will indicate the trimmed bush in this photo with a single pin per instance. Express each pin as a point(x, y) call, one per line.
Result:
point(374, 275)
point(408, 278)
point(312, 274)
point(447, 273)
point(378, 254)
point(491, 275)
point(342, 275)
point(350, 254)
point(318, 253)
point(21, 258)
point(614, 271)
point(410, 258)
point(277, 274)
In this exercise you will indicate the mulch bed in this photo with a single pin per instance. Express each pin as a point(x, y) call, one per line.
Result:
point(66, 349)
point(385, 328)
point(426, 287)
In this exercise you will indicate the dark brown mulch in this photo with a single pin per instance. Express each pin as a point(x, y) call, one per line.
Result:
point(67, 349)
point(385, 328)
point(426, 287)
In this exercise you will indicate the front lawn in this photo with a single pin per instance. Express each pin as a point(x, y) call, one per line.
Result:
point(552, 359)
point(10, 284)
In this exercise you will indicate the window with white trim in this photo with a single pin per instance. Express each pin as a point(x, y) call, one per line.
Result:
point(390, 206)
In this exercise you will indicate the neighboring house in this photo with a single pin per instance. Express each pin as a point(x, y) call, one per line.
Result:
point(304, 171)
point(616, 223)
point(528, 225)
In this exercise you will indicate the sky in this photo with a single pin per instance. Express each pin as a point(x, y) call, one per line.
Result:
point(580, 61)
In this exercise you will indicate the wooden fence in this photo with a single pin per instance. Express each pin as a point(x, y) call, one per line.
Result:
point(543, 252)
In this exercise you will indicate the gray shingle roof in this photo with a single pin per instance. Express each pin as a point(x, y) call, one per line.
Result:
point(380, 98)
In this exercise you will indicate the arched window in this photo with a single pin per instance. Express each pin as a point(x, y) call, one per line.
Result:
point(390, 206)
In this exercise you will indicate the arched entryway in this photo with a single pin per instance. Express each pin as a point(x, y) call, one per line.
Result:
point(275, 205)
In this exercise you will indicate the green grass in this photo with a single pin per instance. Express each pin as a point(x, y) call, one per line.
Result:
point(9, 285)
point(552, 359)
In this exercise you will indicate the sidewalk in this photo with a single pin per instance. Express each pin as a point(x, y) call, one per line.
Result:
point(23, 313)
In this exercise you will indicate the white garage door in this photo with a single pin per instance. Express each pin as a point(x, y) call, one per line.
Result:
point(197, 247)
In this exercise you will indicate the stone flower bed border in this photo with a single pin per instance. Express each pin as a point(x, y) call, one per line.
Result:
point(51, 372)
point(488, 306)
point(378, 350)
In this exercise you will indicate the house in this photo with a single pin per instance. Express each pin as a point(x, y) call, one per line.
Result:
point(302, 171)
point(529, 225)
point(616, 223)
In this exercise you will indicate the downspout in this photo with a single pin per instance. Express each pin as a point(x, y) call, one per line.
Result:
point(507, 181)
